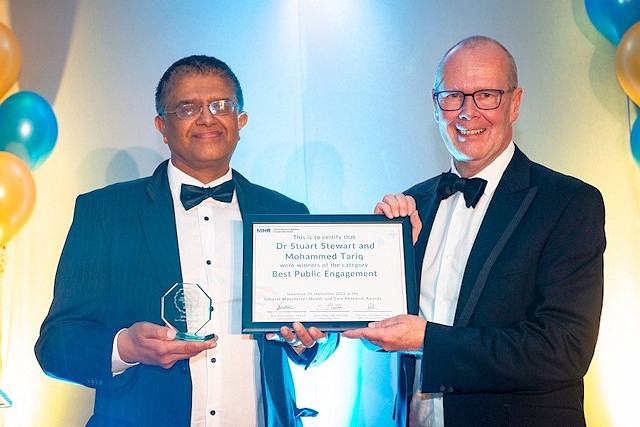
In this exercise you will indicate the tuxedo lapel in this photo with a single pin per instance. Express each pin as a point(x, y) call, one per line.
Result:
point(247, 203)
point(277, 382)
point(157, 218)
point(512, 198)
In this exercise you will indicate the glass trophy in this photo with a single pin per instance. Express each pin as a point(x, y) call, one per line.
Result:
point(5, 402)
point(187, 308)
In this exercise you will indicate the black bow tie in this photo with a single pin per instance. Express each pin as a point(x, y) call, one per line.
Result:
point(191, 196)
point(471, 188)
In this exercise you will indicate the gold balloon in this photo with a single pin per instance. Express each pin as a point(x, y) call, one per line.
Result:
point(10, 59)
point(17, 195)
point(628, 62)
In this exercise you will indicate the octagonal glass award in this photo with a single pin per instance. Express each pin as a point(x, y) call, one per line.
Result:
point(187, 308)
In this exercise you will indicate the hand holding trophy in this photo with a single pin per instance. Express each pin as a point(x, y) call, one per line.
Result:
point(187, 308)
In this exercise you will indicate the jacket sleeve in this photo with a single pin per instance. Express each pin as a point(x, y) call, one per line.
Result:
point(315, 355)
point(75, 343)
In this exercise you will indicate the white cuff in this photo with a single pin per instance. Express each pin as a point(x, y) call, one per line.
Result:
point(118, 365)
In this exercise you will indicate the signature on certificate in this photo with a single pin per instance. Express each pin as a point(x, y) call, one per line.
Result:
point(329, 307)
point(284, 306)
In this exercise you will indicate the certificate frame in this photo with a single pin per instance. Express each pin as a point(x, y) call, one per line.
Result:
point(378, 271)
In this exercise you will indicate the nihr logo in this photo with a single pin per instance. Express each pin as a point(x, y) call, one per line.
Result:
point(263, 230)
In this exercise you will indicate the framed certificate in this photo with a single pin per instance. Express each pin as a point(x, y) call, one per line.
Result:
point(335, 272)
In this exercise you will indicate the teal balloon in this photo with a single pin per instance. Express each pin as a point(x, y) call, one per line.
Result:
point(28, 128)
point(612, 18)
point(635, 140)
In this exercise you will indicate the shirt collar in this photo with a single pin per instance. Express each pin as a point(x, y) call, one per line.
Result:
point(177, 178)
point(493, 172)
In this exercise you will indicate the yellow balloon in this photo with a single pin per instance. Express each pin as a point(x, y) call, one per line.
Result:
point(628, 62)
point(17, 195)
point(10, 59)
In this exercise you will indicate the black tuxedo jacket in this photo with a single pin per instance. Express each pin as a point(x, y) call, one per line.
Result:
point(528, 314)
point(120, 257)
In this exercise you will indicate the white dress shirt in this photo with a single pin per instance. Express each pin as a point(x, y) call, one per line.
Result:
point(454, 231)
point(226, 380)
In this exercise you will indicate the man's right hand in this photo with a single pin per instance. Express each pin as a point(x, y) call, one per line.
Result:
point(152, 344)
point(397, 205)
point(404, 332)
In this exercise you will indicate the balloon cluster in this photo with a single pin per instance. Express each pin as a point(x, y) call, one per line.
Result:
point(28, 133)
point(619, 22)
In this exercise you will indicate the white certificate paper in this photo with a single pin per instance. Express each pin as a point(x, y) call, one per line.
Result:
point(336, 272)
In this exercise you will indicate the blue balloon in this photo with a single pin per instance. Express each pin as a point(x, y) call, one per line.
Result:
point(635, 140)
point(612, 18)
point(28, 128)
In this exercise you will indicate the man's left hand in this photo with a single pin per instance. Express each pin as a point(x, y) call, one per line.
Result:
point(299, 337)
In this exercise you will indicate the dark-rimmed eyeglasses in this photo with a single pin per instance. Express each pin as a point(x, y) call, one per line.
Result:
point(220, 107)
point(453, 100)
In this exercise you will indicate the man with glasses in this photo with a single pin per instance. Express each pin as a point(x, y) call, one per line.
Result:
point(130, 242)
point(509, 262)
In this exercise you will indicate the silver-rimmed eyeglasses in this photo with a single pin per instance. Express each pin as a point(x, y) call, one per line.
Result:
point(453, 100)
point(220, 107)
